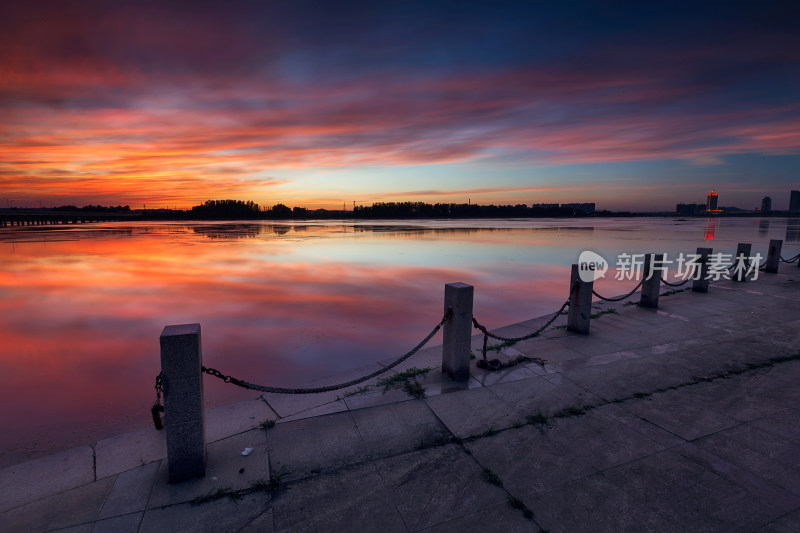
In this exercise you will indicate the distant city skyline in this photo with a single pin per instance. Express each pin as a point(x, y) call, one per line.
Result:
point(632, 106)
point(712, 203)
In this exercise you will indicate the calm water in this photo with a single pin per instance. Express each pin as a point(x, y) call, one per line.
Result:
point(281, 304)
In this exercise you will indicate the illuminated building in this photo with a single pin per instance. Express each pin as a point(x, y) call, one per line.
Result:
point(712, 203)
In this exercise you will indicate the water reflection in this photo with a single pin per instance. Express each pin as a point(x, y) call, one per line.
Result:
point(711, 229)
point(283, 304)
point(763, 226)
point(232, 231)
point(792, 230)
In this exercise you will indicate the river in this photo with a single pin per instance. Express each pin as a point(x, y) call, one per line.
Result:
point(280, 303)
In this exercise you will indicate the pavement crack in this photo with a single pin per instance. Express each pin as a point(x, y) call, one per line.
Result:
point(94, 461)
point(261, 397)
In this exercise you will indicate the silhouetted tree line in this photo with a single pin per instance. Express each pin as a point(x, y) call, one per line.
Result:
point(232, 209)
point(237, 209)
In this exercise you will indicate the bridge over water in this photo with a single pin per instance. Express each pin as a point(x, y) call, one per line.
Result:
point(40, 217)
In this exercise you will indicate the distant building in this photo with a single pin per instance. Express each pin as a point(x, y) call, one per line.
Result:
point(688, 210)
point(794, 201)
point(712, 202)
point(586, 209)
point(766, 204)
point(545, 206)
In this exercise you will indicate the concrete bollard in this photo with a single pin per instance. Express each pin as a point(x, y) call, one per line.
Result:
point(773, 256)
point(701, 284)
point(743, 250)
point(580, 303)
point(651, 287)
point(182, 380)
point(457, 333)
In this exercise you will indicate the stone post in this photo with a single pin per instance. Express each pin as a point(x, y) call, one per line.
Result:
point(741, 261)
point(457, 334)
point(182, 378)
point(580, 303)
point(651, 287)
point(773, 256)
point(701, 284)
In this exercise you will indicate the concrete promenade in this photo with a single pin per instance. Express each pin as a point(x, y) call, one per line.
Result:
point(681, 419)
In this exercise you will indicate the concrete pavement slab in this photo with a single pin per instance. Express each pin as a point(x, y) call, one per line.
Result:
point(537, 458)
point(70, 508)
point(784, 423)
point(765, 454)
point(399, 427)
point(782, 499)
point(227, 469)
point(623, 379)
point(221, 516)
point(352, 499)
point(501, 519)
point(788, 523)
point(530, 460)
point(128, 523)
point(437, 485)
point(376, 397)
point(46, 476)
point(724, 397)
point(130, 491)
point(639, 425)
point(684, 492)
point(336, 406)
point(505, 375)
point(473, 412)
point(436, 382)
point(679, 414)
point(83, 528)
point(593, 505)
point(552, 350)
point(315, 445)
point(222, 422)
point(538, 395)
point(263, 523)
point(603, 440)
point(129, 450)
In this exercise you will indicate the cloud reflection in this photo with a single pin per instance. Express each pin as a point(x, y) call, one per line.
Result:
point(81, 318)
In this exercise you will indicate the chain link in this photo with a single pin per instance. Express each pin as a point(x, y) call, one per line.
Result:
point(790, 260)
point(486, 333)
point(157, 408)
point(619, 298)
point(682, 283)
point(513, 340)
point(314, 390)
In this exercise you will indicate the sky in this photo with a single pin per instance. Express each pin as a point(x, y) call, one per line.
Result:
point(320, 104)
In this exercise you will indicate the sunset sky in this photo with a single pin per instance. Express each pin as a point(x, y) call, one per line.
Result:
point(316, 104)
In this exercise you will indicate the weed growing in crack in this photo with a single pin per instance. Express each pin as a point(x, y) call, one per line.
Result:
point(211, 496)
point(406, 380)
point(361, 390)
point(492, 478)
point(516, 503)
point(538, 419)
